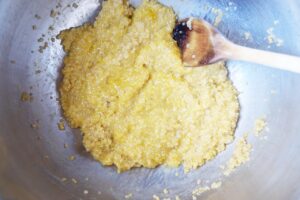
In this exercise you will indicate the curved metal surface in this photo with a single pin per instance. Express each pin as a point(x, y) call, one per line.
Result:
point(33, 161)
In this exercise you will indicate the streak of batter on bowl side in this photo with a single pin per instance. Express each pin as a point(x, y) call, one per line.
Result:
point(125, 87)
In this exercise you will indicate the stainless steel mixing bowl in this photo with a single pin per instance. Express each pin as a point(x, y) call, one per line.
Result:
point(34, 164)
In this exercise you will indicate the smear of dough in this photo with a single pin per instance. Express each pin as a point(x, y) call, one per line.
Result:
point(272, 38)
point(240, 155)
point(199, 190)
point(260, 125)
point(216, 185)
point(125, 87)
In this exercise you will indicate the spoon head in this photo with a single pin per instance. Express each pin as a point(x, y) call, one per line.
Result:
point(194, 38)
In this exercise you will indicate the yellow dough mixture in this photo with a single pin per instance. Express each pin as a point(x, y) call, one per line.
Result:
point(125, 87)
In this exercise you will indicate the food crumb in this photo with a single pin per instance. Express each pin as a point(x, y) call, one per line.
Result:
point(71, 158)
point(155, 197)
point(240, 156)
point(260, 125)
point(40, 40)
point(63, 179)
point(272, 38)
point(85, 192)
point(61, 125)
point(34, 125)
point(66, 146)
point(219, 15)
point(198, 182)
point(33, 27)
point(53, 13)
point(128, 196)
point(42, 48)
point(58, 5)
point(177, 197)
point(166, 191)
point(37, 16)
point(74, 181)
point(99, 192)
point(216, 185)
point(26, 96)
point(176, 174)
point(75, 5)
point(247, 35)
point(198, 191)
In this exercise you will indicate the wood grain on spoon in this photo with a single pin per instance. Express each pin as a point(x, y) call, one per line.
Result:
point(201, 44)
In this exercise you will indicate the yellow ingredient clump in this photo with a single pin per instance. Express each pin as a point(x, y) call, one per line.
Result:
point(125, 87)
point(240, 155)
point(260, 125)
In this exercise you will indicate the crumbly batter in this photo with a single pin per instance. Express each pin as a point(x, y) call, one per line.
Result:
point(125, 87)
point(260, 125)
point(240, 155)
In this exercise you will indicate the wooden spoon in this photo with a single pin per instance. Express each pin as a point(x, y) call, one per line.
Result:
point(201, 44)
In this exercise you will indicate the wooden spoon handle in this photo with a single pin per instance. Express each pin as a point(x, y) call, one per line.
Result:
point(275, 60)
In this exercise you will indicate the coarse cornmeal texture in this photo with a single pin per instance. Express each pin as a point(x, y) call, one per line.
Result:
point(260, 125)
point(125, 87)
point(240, 155)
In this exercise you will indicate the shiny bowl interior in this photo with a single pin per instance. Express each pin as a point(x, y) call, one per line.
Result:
point(34, 162)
